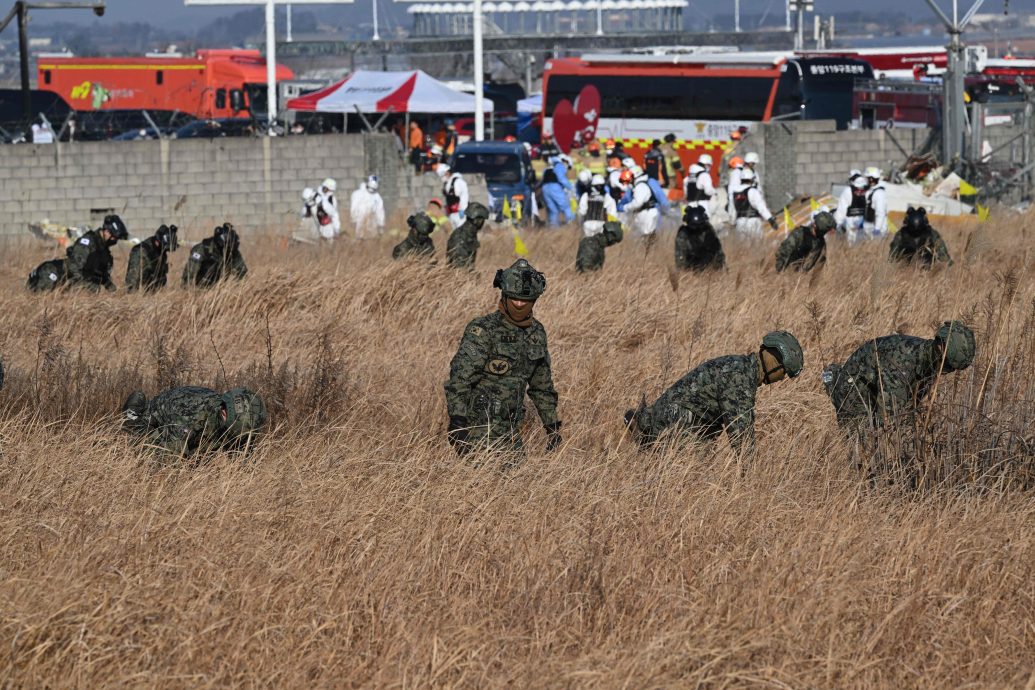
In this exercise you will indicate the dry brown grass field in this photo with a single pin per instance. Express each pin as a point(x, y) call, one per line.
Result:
point(352, 549)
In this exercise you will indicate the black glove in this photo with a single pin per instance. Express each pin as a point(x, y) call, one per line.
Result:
point(772, 222)
point(457, 434)
point(553, 436)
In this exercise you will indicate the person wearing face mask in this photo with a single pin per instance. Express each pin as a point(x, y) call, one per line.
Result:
point(462, 247)
point(89, 262)
point(719, 395)
point(215, 258)
point(148, 267)
point(886, 378)
point(502, 357)
point(918, 243)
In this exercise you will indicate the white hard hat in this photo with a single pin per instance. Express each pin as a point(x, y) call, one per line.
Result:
point(566, 159)
point(373, 183)
point(747, 175)
point(308, 194)
point(598, 180)
point(873, 172)
point(585, 176)
point(696, 169)
point(442, 169)
point(860, 182)
point(330, 183)
point(853, 173)
point(751, 158)
point(705, 159)
point(628, 163)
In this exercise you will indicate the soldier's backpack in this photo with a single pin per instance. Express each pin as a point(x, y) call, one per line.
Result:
point(49, 275)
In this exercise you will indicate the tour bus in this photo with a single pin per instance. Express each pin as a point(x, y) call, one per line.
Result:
point(212, 84)
point(700, 98)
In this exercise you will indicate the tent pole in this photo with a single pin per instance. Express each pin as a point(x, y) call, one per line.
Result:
point(406, 134)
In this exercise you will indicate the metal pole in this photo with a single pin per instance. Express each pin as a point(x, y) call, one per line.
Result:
point(600, 17)
point(271, 66)
point(787, 18)
point(736, 16)
point(288, 27)
point(23, 60)
point(376, 37)
point(799, 39)
point(479, 74)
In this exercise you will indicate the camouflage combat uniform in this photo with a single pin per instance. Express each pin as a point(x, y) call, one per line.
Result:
point(148, 267)
point(717, 395)
point(801, 250)
point(89, 263)
point(698, 248)
point(418, 242)
point(590, 256)
point(925, 248)
point(209, 263)
point(462, 248)
point(497, 363)
point(49, 275)
point(190, 419)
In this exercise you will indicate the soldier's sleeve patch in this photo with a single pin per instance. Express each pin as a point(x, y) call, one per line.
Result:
point(498, 367)
point(84, 241)
point(476, 330)
point(196, 256)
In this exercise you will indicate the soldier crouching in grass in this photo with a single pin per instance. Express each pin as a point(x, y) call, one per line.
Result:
point(188, 420)
point(719, 395)
point(502, 356)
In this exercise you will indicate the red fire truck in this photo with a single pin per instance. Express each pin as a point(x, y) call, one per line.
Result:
point(212, 84)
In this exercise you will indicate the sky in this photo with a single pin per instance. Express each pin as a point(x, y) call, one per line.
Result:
point(174, 14)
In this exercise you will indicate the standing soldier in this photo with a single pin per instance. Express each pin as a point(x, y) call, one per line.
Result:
point(214, 258)
point(462, 248)
point(590, 256)
point(887, 377)
point(697, 245)
point(917, 242)
point(719, 395)
point(190, 419)
point(806, 247)
point(750, 207)
point(502, 356)
point(89, 261)
point(418, 242)
point(149, 261)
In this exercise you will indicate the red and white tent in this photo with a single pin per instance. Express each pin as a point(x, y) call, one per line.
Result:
point(379, 92)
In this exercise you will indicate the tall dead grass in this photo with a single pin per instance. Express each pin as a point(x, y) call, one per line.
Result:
point(352, 549)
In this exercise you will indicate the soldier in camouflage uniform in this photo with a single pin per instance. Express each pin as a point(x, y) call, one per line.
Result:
point(418, 242)
point(718, 395)
point(88, 262)
point(49, 275)
point(590, 256)
point(697, 246)
point(215, 258)
point(886, 378)
point(148, 267)
point(463, 244)
point(806, 247)
point(917, 242)
point(190, 419)
point(502, 356)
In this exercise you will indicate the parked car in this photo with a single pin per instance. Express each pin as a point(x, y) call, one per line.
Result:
point(508, 174)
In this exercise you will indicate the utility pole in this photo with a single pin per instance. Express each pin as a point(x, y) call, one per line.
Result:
point(953, 106)
point(736, 16)
point(287, 28)
point(21, 10)
point(479, 74)
point(800, 7)
point(787, 17)
point(376, 36)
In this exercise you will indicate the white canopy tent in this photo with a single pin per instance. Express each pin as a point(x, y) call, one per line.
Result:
point(383, 92)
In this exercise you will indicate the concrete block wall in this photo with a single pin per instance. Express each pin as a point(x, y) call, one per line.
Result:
point(254, 182)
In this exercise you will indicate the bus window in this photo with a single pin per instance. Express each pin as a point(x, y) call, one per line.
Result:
point(787, 104)
point(46, 76)
point(159, 77)
point(220, 99)
point(668, 98)
point(236, 100)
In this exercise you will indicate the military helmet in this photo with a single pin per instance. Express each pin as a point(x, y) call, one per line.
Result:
point(166, 236)
point(824, 221)
point(612, 232)
point(245, 412)
point(227, 237)
point(695, 216)
point(477, 210)
point(421, 222)
point(958, 341)
point(520, 281)
point(916, 219)
point(788, 351)
point(116, 227)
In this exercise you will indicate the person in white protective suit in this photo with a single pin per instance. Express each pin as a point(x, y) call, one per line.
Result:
point(596, 207)
point(875, 226)
point(309, 226)
point(454, 189)
point(642, 210)
point(367, 210)
point(327, 216)
point(750, 207)
point(698, 187)
point(851, 206)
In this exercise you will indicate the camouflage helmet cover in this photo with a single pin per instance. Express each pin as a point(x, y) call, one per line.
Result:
point(788, 349)
point(695, 217)
point(476, 210)
point(959, 344)
point(520, 281)
point(824, 221)
point(245, 412)
point(421, 222)
point(612, 232)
